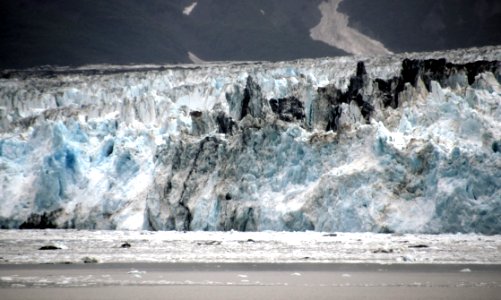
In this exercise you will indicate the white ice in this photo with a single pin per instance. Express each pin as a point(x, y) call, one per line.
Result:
point(85, 146)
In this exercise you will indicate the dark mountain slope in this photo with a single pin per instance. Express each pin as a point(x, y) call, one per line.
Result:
point(153, 31)
point(427, 25)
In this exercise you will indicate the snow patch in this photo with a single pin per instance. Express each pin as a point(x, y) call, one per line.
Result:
point(195, 59)
point(333, 29)
point(189, 9)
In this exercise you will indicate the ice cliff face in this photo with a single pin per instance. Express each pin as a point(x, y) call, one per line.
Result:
point(408, 143)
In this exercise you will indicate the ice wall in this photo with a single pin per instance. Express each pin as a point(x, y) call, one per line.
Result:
point(404, 143)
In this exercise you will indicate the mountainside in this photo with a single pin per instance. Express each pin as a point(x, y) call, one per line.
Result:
point(75, 33)
point(403, 143)
point(426, 25)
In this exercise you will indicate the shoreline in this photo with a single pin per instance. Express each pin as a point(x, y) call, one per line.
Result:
point(249, 281)
point(224, 265)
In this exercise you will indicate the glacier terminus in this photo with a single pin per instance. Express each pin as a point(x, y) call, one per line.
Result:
point(407, 143)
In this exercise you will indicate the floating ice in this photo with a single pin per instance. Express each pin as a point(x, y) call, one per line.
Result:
point(21, 247)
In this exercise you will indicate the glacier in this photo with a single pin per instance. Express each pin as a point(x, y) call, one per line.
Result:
point(406, 143)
